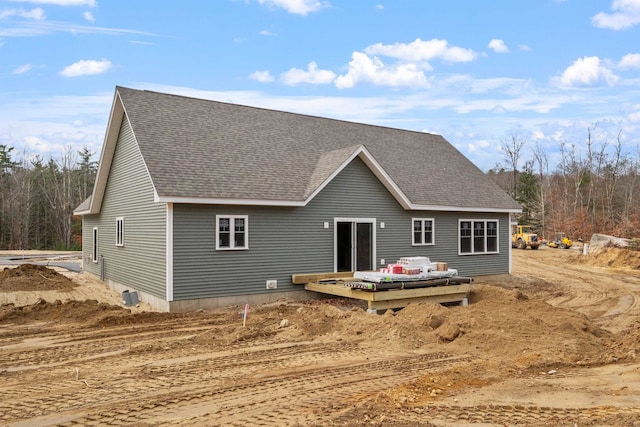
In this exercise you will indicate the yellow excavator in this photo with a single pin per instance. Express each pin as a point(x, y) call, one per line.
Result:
point(561, 241)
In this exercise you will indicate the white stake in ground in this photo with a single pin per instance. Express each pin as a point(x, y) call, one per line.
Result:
point(244, 315)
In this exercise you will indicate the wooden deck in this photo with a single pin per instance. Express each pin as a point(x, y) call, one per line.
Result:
point(331, 284)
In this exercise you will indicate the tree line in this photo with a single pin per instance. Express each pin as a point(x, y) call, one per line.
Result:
point(37, 199)
point(592, 187)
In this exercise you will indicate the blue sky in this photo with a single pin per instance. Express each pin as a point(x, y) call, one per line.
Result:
point(476, 72)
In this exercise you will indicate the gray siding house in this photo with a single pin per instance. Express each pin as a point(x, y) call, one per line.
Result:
point(200, 204)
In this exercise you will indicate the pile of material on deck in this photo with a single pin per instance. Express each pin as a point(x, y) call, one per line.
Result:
point(408, 273)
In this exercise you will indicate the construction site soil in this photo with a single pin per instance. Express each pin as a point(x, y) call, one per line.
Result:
point(555, 344)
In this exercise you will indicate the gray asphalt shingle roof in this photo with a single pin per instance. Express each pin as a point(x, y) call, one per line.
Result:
point(213, 150)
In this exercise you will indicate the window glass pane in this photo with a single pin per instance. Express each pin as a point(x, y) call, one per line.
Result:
point(478, 237)
point(465, 245)
point(428, 232)
point(492, 244)
point(492, 228)
point(465, 237)
point(465, 229)
point(224, 233)
point(239, 233)
point(417, 232)
point(492, 236)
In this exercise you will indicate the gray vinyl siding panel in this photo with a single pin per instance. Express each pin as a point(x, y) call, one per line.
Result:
point(287, 240)
point(141, 263)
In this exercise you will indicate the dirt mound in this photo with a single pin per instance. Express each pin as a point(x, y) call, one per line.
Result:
point(609, 256)
point(70, 311)
point(32, 277)
point(501, 325)
point(617, 257)
point(90, 313)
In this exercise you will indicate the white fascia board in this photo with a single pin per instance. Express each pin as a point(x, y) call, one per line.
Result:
point(239, 202)
point(461, 209)
point(377, 170)
point(106, 155)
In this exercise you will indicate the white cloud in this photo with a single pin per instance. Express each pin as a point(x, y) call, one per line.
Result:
point(380, 6)
point(298, 7)
point(266, 33)
point(585, 72)
point(313, 76)
point(262, 76)
point(89, 16)
point(498, 46)
point(635, 117)
point(626, 14)
point(22, 69)
point(37, 13)
point(363, 69)
point(524, 48)
point(90, 3)
point(86, 68)
point(39, 28)
point(630, 60)
point(419, 50)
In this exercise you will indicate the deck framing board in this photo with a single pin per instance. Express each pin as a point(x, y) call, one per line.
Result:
point(394, 298)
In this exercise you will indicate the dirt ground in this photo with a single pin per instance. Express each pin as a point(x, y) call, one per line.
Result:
point(556, 344)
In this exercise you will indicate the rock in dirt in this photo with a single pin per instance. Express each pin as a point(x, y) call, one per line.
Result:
point(449, 332)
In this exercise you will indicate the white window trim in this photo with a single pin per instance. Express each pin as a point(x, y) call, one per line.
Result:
point(433, 232)
point(232, 231)
point(472, 221)
point(94, 247)
point(120, 232)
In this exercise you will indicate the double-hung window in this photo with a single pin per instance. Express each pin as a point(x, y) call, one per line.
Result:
point(232, 232)
point(478, 236)
point(423, 231)
point(119, 231)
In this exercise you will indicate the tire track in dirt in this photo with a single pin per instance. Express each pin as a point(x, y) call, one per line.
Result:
point(586, 289)
point(152, 373)
point(520, 415)
point(243, 397)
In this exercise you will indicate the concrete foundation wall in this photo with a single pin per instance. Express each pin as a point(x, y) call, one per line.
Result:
point(211, 303)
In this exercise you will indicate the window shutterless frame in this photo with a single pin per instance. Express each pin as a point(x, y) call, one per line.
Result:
point(232, 232)
point(120, 232)
point(94, 252)
point(423, 231)
point(478, 236)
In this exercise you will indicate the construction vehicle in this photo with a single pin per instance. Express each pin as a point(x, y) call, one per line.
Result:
point(522, 236)
point(561, 241)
